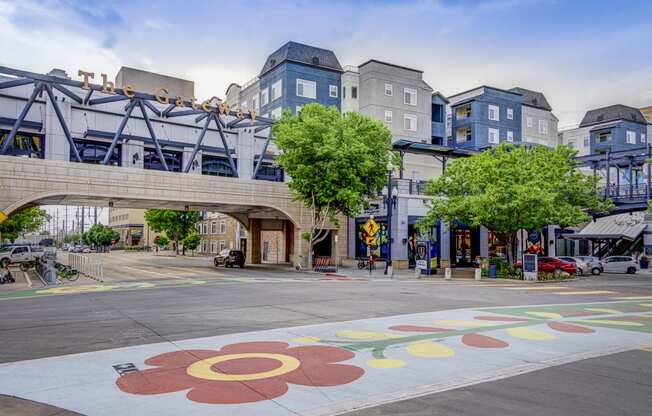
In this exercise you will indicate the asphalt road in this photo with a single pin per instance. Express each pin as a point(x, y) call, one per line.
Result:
point(237, 301)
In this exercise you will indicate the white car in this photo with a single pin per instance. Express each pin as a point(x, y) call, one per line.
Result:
point(620, 264)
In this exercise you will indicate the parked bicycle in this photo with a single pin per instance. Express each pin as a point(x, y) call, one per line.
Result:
point(66, 272)
point(364, 262)
point(26, 265)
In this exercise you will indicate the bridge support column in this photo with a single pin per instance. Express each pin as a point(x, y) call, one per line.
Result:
point(253, 243)
point(288, 231)
point(647, 236)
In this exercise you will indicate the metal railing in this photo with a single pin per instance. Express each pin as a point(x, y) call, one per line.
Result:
point(624, 192)
point(87, 266)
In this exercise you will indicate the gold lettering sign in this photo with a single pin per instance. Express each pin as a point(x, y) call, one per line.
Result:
point(239, 114)
point(163, 99)
point(206, 105)
point(108, 87)
point(179, 101)
point(128, 91)
point(193, 103)
point(252, 114)
point(224, 109)
point(87, 76)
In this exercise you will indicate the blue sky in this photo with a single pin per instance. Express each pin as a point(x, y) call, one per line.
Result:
point(581, 54)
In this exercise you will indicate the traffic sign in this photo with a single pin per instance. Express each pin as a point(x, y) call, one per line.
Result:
point(371, 227)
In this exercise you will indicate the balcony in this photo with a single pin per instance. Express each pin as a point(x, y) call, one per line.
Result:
point(463, 112)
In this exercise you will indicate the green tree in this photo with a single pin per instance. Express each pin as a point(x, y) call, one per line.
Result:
point(100, 236)
point(176, 224)
point(509, 188)
point(337, 163)
point(26, 221)
point(191, 242)
point(161, 241)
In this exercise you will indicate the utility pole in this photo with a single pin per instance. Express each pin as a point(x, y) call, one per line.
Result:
point(81, 234)
point(95, 217)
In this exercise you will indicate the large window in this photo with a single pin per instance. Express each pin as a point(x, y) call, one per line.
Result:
point(277, 89)
point(276, 113)
point(95, 152)
point(631, 137)
point(543, 126)
point(388, 116)
point(306, 89)
point(28, 145)
point(264, 97)
point(389, 90)
point(354, 92)
point(215, 166)
point(269, 172)
point(409, 96)
point(332, 91)
point(172, 158)
point(510, 114)
point(493, 136)
point(410, 122)
point(494, 112)
point(510, 136)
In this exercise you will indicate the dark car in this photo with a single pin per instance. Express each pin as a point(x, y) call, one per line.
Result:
point(230, 258)
point(553, 265)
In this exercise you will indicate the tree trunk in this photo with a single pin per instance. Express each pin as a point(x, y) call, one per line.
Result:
point(510, 249)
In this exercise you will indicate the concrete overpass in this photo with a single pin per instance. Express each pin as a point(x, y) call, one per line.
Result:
point(258, 205)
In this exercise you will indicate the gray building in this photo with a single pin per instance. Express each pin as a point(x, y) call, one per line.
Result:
point(538, 123)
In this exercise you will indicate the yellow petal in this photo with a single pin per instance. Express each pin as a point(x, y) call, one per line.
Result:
point(366, 335)
point(530, 334)
point(429, 349)
point(647, 305)
point(547, 315)
point(602, 310)
point(305, 340)
point(386, 363)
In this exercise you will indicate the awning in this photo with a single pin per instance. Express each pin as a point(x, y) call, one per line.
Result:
point(613, 227)
point(429, 149)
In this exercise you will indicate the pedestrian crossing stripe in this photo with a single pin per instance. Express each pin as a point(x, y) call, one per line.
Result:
point(534, 288)
point(586, 292)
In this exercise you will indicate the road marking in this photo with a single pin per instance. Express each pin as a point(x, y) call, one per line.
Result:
point(535, 288)
point(633, 297)
point(152, 272)
point(648, 349)
point(586, 292)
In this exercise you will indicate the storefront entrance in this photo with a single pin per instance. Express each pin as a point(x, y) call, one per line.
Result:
point(465, 245)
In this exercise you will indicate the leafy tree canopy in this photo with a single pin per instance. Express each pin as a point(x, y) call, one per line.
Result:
point(22, 222)
point(191, 242)
point(162, 241)
point(509, 188)
point(176, 224)
point(100, 235)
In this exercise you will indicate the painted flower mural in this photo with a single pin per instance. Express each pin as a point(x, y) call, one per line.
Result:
point(243, 372)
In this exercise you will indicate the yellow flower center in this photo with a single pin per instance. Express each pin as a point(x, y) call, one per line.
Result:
point(203, 369)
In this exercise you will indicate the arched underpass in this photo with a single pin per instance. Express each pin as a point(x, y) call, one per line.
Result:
point(258, 205)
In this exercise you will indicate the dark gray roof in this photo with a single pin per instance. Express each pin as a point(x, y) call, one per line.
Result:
point(304, 54)
point(613, 113)
point(533, 98)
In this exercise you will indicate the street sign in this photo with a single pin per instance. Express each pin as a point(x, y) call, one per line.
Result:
point(3, 217)
point(371, 227)
point(530, 266)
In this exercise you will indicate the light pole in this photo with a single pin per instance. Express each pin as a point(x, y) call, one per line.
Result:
point(389, 201)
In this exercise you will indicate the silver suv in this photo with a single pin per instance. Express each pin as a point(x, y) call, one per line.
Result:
point(620, 264)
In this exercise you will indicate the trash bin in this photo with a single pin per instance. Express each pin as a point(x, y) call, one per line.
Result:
point(493, 271)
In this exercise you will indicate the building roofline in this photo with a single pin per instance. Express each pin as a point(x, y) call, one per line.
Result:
point(325, 68)
point(389, 64)
point(485, 86)
point(440, 95)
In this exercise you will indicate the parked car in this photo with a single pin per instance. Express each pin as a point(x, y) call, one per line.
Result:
point(553, 265)
point(19, 254)
point(620, 264)
point(594, 264)
point(230, 258)
point(580, 266)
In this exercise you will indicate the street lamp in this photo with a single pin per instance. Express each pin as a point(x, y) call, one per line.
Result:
point(389, 201)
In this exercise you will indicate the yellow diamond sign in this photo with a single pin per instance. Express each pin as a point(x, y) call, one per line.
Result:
point(3, 217)
point(371, 227)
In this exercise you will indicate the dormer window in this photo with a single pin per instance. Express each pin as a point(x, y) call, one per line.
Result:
point(272, 62)
point(600, 117)
point(315, 60)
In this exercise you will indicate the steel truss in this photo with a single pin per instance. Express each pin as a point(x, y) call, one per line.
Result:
point(222, 116)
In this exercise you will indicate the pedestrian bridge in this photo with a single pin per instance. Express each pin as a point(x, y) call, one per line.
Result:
point(259, 205)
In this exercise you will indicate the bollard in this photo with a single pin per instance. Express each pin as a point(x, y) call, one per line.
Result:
point(448, 275)
point(478, 274)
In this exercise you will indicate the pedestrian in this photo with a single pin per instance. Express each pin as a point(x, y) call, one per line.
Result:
point(5, 275)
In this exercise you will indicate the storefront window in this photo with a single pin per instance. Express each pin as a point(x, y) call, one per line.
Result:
point(94, 152)
point(269, 172)
point(172, 158)
point(216, 166)
point(382, 238)
point(25, 144)
point(496, 247)
point(415, 236)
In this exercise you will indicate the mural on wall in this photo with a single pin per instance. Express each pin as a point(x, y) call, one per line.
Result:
point(379, 241)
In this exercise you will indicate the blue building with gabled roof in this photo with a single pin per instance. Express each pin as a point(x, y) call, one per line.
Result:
point(615, 127)
point(297, 74)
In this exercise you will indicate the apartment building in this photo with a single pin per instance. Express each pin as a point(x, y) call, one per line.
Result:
point(219, 231)
point(538, 124)
point(131, 225)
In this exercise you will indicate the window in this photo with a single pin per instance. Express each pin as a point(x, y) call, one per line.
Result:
point(222, 227)
point(90, 152)
point(510, 114)
point(643, 139)
point(530, 122)
point(494, 112)
point(213, 246)
point(543, 126)
point(172, 159)
point(298, 109)
point(388, 116)
point(222, 245)
point(306, 89)
point(510, 136)
point(203, 246)
point(204, 228)
point(29, 145)
point(493, 136)
point(409, 96)
point(332, 91)
point(343, 91)
point(603, 136)
point(213, 228)
point(277, 89)
point(354, 92)
point(276, 113)
point(389, 90)
point(410, 122)
point(216, 166)
point(631, 137)
point(586, 142)
point(264, 97)
point(254, 102)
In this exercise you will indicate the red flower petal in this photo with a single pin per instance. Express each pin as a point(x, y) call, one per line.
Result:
point(244, 347)
point(483, 341)
point(500, 318)
point(156, 381)
point(234, 392)
point(324, 375)
point(564, 327)
point(417, 328)
point(180, 358)
point(319, 354)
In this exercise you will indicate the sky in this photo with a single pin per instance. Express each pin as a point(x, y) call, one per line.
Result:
point(580, 54)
